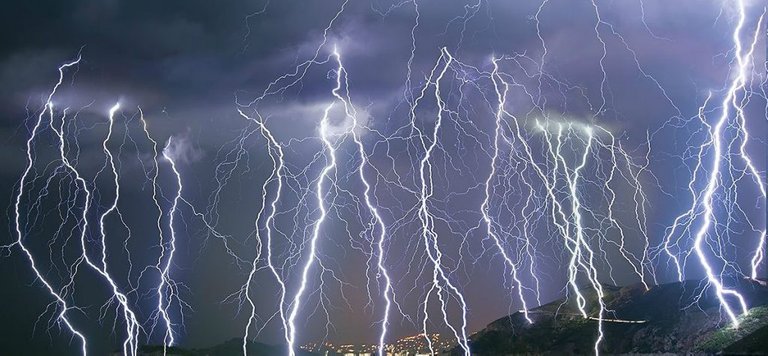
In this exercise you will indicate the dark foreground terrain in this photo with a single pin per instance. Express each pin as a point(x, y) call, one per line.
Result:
point(231, 347)
point(675, 318)
point(668, 318)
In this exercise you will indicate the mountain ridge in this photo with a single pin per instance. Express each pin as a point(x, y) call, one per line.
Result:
point(680, 317)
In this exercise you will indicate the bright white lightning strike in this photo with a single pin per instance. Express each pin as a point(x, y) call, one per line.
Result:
point(439, 276)
point(278, 164)
point(350, 112)
point(131, 344)
point(703, 204)
point(312, 254)
point(502, 95)
point(757, 259)
point(367, 194)
point(165, 281)
point(166, 291)
point(133, 327)
point(63, 305)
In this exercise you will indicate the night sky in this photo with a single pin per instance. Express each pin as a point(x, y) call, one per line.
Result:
point(643, 71)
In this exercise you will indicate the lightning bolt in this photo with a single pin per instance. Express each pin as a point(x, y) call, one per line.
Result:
point(133, 327)
point(703, 204)
point(440, 281)
point(168, 285)
point(131, 344)
point(758, 256)
point(356, 128)
point(56, 294)
point(502, 95)
point(376, 219)
point(278, 164)
point(167, 290)
point(566, 211)
point(165, 281)
point(312, 255)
